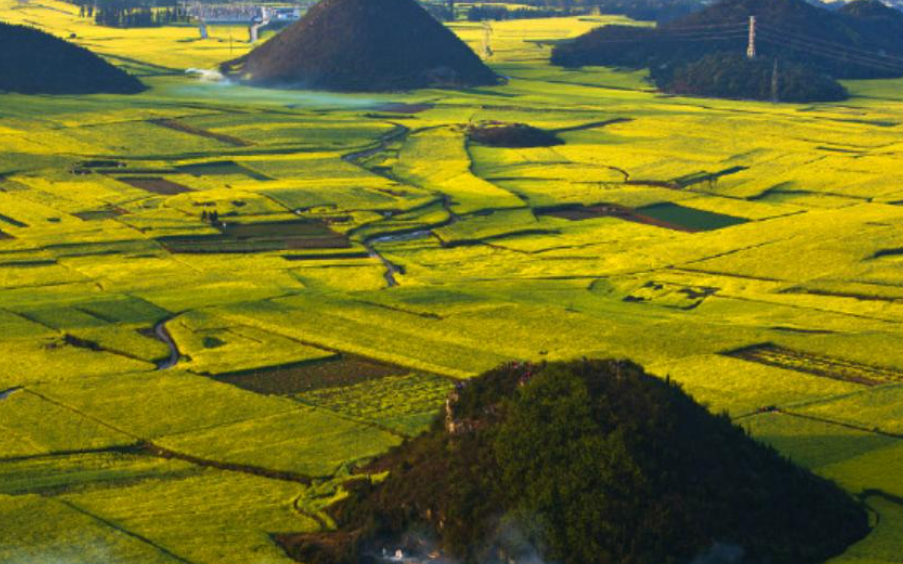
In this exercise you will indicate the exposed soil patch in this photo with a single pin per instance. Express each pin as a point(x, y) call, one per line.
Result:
point(155, 185)
point(511, 135)
point(818, 365)
point(200, 132)
point(402, 108)
point(96, 215)
point(580, 213)
point(327, 256)
point(220, 168)
point(260, 237)
point(341, 370)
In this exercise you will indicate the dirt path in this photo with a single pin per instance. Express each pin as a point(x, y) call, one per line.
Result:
point(310, 514)
point(162, 335)
point(399, 132)
point(391, 268)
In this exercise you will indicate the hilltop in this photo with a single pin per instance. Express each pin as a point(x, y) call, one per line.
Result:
point(861, 40)
point(34, 62)
point(363, 45)
point(585, 462)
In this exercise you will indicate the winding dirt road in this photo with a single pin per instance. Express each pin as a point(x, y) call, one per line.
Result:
point(162, 335)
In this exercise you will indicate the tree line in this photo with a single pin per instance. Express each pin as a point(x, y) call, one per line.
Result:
point(132, 13)
point(482, 13)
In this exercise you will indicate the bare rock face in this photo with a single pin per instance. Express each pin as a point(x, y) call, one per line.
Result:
point(363, 46)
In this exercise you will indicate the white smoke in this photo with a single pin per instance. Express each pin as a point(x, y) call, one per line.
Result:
point(509, 543)
point(206, 75)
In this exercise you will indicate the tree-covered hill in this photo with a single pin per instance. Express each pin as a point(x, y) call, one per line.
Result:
point(585, 462)
point(363, 45)
point(34, 62)
point(729, 75)
point(861, 40)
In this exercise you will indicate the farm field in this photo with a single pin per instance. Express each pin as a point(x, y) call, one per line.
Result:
point(175, 390)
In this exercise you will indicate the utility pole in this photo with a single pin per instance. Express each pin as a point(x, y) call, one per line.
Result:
point(774, 82)
point(751, 48)
point(487, 34)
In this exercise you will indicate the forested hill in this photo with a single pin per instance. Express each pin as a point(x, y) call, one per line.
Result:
point(34, 62)
point(364, 45)
point(586, 462)
point(862, 40)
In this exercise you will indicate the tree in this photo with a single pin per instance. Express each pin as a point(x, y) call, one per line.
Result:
point(573, 483)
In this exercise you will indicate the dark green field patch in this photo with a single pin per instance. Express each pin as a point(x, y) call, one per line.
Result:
point(343, 370)
point(155, 185)
point(667, 215)
point(261, 237)
point(98, 215)
point(220, 168)
point(352, 254)
point(689, 218)
point(407, 404)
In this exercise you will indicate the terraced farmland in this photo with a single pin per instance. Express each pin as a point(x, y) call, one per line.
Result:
point(176, 388)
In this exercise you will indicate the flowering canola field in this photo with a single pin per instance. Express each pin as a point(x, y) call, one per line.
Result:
point(177, 389)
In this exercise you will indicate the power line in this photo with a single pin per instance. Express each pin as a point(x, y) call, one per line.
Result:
point(831, 52)
point(696, 36)
point(773, 34)
point(809, 38)
point(739, 25)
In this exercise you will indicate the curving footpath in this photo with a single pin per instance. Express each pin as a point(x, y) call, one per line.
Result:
point(162, 334)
